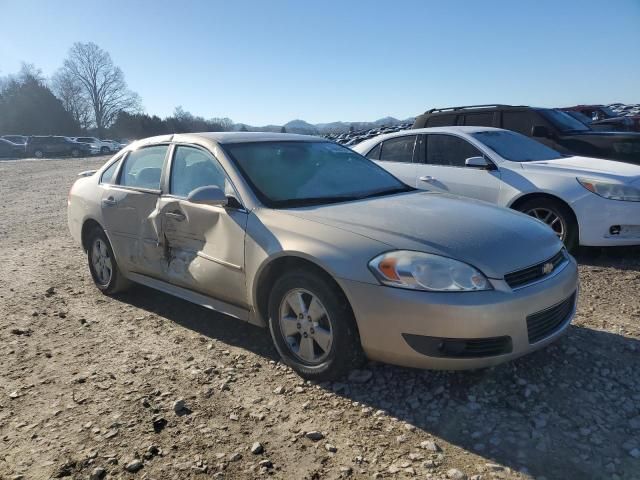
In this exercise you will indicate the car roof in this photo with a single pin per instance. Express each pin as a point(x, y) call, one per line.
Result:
point(453, 129)
point(243, 137)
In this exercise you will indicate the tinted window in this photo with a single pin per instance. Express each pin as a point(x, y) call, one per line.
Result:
point(441, 120)
point(449, 150)
point(520, 122)
point(484, 119)
point(562, 121)
point(294, 174)
point(398, 149)
point(108, 174)
point(516, 147)
point(375, 153)
point(192, 168)
point(142, 168)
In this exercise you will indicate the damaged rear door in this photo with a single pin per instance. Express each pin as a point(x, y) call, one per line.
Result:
point(129, 209)
point(203, 244)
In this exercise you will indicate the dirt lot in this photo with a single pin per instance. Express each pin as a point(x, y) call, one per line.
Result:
point(89, 384)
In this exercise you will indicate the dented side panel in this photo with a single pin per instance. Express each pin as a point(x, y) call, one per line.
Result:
point(203, 248)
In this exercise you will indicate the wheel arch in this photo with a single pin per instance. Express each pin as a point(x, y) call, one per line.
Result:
point(273, 269)
point(517, 202)
point(87, 226)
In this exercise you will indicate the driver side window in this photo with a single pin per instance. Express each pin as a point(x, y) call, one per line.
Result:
point(193, 168)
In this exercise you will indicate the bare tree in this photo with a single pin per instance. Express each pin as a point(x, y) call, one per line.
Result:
point(102, 83)
point(71, 93)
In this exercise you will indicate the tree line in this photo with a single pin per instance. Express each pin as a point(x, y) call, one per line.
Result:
point(87, 95)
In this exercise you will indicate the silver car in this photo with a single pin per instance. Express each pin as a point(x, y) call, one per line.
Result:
point(337, 257)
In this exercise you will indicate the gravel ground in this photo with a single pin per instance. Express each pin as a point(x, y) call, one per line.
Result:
point(148, 386)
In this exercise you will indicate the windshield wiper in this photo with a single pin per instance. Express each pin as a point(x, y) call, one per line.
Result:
point(304, 202)
point(389, 191)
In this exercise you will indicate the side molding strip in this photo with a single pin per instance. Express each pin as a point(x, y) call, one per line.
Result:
point(190, 296)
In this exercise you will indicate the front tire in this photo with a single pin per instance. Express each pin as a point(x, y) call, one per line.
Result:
point(103, 266)
point(557, 216)
point(312, 326)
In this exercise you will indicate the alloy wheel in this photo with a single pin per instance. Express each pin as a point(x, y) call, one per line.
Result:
point(306, 326)
point(101, 261)
point(551, 218)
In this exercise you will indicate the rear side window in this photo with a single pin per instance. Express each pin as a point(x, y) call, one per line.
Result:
point(441, 120)
point(374, 154)
point(143, 168)
point(480, 119)
point(520, 122)
point(450, 151)
point(398, 149)
point(108, 174)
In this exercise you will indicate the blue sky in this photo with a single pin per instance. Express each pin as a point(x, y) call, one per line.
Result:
point(261, 62)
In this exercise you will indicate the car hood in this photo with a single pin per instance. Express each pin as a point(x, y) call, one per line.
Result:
point(602, 135)
point(494, 239)
point(587, 166)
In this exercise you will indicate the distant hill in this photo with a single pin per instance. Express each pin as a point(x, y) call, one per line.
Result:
point(300, 126)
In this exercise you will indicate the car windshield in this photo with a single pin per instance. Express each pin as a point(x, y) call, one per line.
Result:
point(609, 112)
point(581, 117)
point(293, 173)
point(515, 147)
point(562, 121)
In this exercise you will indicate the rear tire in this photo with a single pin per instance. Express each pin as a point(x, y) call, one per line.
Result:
point(38, 154)
point(566, 226)
point(326, 322)
point(103, 266)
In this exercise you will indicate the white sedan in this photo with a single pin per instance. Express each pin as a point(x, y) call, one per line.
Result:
point(586, 201)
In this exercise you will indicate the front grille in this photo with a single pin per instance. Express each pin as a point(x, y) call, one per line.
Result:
point(459, 347)
point(536, 272)
point(546, 322)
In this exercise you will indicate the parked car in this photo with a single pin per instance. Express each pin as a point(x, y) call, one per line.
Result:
point(585, 201)
point(17, 139)
point(113, 145)
point(552, 127)
point(604, 116)
point(331, 252)
point(10, 150)
point(98, 146)
point(46, 146)
point(582, 118)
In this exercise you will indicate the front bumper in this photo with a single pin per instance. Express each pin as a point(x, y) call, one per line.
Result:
point(391, 318)
point(596, 217)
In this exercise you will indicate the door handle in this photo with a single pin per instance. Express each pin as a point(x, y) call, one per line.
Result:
point(427, 178)
point(109, 202)
point(176, 215)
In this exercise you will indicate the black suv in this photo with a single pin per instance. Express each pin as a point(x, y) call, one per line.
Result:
point(552, 127)
point(40, 147)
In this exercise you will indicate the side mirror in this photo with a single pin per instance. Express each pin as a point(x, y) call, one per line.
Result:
point(478, 162)
point(540, 131)
point(209, 195)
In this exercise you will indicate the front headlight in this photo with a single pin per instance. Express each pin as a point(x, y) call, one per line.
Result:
point(612, 191)
point(424, 271)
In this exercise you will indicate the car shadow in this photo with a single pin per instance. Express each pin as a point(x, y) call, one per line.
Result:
point(626, 258)
point(571, 410)
point(201, 320)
